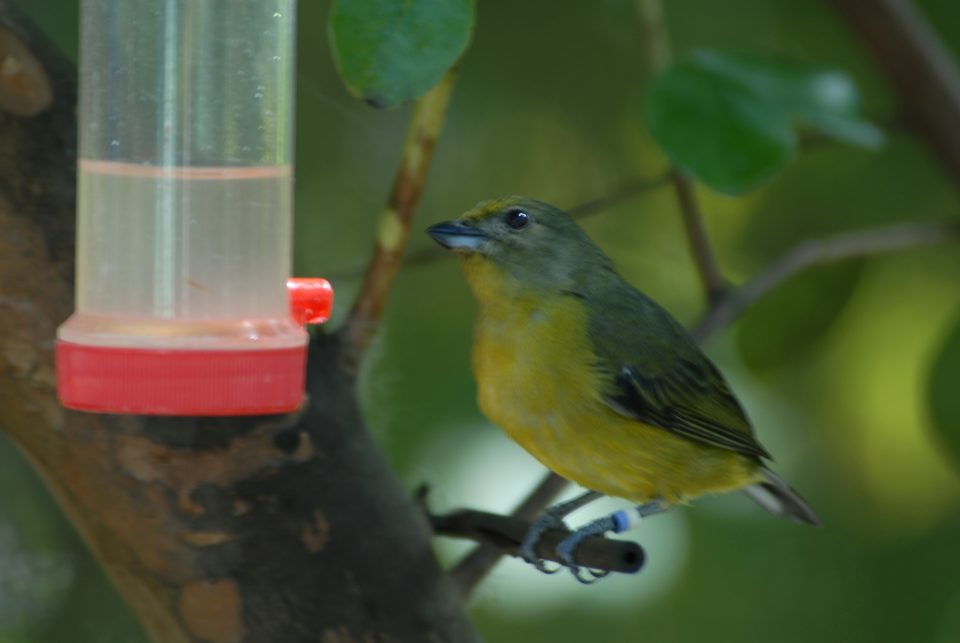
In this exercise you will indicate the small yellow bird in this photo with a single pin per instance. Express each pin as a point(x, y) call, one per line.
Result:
point(595, 379)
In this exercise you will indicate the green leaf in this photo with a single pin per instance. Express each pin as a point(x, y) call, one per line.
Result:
point(389, 51)
point(818, 99)
point(788, 322)
point(717, 130)
point(943, 393)
point(732, 121)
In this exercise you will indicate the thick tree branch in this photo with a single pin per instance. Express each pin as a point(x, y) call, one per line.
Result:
point(393, 230)
point(860, 243)
point(923, 72)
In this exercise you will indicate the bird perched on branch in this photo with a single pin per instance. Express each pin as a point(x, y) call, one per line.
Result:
point(595, 379)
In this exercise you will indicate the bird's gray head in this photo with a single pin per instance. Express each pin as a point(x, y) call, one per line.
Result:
point(535, 242)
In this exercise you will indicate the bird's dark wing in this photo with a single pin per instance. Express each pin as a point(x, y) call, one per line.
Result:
point(660, 377)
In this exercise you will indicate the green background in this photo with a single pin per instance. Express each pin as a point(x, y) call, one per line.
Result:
point(834, 370)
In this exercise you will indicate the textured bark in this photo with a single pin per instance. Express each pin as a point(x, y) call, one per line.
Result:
point(921, 69)
point(280, 528)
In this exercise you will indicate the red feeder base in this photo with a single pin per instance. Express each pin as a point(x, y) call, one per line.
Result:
point(180, 382)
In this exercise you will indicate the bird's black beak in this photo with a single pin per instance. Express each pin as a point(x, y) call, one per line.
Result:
point(454, 235)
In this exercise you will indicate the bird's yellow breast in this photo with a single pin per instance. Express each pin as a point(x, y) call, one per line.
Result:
point(539, 379)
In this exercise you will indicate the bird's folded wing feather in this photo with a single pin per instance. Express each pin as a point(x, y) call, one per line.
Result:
point(660, 377)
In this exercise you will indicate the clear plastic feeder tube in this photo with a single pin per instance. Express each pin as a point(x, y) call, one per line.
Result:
point(185, 176)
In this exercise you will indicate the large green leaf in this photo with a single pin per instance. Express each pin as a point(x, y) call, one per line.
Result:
point(390, 51)
point(717, 130)
point(944, 393)
point(788, 322)
point(819, 99)
point(732, 121)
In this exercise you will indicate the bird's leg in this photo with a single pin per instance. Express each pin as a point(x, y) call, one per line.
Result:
point(617, 522)
point(552, 518)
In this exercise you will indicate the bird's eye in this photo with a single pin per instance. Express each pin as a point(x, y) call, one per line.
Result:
point(517, 219)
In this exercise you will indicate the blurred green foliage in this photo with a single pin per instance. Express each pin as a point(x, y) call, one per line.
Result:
point(834, 369)
point(730, 120)
point(389, 52)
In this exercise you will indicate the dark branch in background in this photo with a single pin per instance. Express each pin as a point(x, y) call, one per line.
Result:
point(626, 191)
point(701, 249)
point(659, 56)
point(861, 243)
point(393, 230)
point(921, 69)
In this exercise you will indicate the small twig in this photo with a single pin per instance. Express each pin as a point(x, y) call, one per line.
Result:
point(701, 250)
point(393, 230)
point(861, 243)
point(472, 568)
point(656, 42)
point(627, 190)
point(656, 38)
point(506, 533)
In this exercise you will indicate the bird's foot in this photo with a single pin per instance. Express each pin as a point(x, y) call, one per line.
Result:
point(567, 549)
point(547, 521)
point(617, 522)
point(552, 518)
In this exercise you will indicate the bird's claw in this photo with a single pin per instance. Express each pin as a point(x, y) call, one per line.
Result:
point(594, 574)
point(567, 550)
point(528, 547)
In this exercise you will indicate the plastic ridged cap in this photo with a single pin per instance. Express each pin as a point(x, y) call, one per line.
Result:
point(163, 381)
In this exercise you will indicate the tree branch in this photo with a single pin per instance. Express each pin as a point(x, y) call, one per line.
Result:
point(714, 285)
point(656, 41)
point(505, 533)
point(393, 230)
point(861, 243)
point(923, 72)
point(473, 567)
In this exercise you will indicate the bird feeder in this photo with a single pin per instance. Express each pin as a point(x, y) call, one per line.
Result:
point(184, 228)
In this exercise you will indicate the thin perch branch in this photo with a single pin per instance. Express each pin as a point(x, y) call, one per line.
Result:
point(393, 230)
point(473, 567)
point(506, 533)
point(861, 243)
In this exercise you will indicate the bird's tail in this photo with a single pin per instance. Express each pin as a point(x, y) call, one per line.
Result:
point(776, 496)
